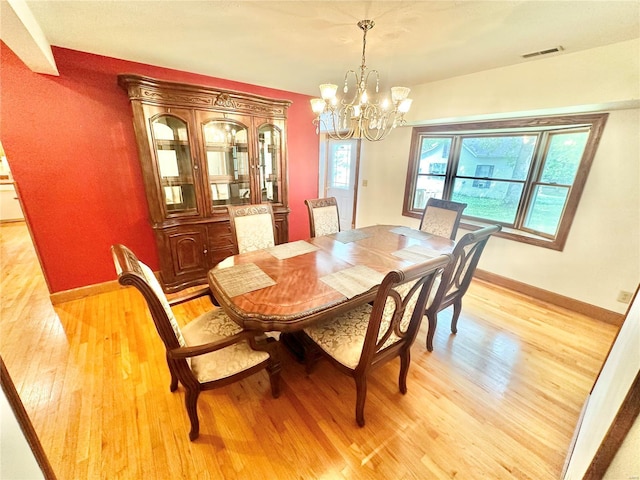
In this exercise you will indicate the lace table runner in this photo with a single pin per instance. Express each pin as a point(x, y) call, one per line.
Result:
point(292, 249)
point(242, 278)
point(354, 280)
point(416, 253)
point(349, 236)
point(411, 232)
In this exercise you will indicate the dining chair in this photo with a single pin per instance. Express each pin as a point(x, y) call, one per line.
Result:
point(442, 217)
point(450, 287)
point(252, 226)
point(362, 339)
point(323, 216)
point(209, 352)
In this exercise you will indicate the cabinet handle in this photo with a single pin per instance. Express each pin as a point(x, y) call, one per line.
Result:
point(205, 251)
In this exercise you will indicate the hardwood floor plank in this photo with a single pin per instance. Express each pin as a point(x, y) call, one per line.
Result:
point(500, 399)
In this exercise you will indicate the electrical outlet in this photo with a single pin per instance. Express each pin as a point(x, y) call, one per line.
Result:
point(365, 183)
point(624, 297)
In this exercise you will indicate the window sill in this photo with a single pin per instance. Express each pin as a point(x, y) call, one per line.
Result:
point(517, 235)
point(507, 232)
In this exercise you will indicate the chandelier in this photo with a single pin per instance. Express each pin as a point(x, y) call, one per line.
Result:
point(359, 116)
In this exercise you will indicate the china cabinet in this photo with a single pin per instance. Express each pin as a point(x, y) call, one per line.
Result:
point(201, 149)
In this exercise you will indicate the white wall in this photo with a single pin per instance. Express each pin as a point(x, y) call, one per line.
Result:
point(620, 369)
point(602, 254)
point(17, 461)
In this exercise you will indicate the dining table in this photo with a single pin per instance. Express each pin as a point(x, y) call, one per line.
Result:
point(289, 286)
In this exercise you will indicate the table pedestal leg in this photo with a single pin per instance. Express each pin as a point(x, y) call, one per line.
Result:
point(297, 344)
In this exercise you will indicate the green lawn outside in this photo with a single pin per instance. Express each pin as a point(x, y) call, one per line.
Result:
point(544, 216)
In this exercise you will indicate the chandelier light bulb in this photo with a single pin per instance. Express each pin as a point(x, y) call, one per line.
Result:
point(317, 105)
point(405, 105)
point(399, 93)
point(328, 91)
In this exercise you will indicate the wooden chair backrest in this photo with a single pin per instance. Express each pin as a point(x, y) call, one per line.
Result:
point(442, 217)
point(253, 226)
point(456, 278)
point(398, 310)
point(132, 271)
point(324, 218)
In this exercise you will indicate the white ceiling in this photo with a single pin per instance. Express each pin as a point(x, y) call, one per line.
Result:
point(295, 45)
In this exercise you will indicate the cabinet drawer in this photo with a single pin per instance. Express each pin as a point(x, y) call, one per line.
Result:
point(220, 228)
point(221, 241)
point(220, 235)
point(219, 254)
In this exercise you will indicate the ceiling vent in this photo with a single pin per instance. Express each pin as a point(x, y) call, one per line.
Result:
point(543, 52)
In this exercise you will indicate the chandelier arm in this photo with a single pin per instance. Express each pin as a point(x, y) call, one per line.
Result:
point(356, 92)
point(376, 134)
point(377, 76)
point(337, 131)
point(377, 123)
point(337, 134)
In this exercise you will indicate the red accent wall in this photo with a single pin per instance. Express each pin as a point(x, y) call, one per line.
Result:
point(71, 147)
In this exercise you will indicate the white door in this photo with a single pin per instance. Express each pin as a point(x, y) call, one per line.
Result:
point(341, 173)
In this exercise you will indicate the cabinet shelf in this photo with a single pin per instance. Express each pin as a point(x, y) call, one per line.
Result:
point(226, 146)
point(171, 143)
point(222, 179)
point(176, 181)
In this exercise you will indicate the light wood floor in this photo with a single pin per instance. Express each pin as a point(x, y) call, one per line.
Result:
point(499, 400)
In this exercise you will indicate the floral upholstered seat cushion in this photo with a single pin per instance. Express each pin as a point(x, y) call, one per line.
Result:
point(254, 232)
point(439, 221)
point(212, 326)
point(325, 220)
point(343, 337)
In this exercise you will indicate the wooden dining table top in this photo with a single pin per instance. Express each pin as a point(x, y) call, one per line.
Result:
point(290, 284)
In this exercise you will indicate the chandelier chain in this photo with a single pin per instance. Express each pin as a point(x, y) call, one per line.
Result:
point(364, 47)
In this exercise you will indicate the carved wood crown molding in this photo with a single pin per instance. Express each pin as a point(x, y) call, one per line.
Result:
point(148, 94)
point(159, 92)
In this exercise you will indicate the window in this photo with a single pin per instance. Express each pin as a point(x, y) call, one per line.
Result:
point(524, 174)
point(341, 171)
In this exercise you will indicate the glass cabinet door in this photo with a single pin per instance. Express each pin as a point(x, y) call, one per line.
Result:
point(170, 137)
point(227, 159)
point(269, 157)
